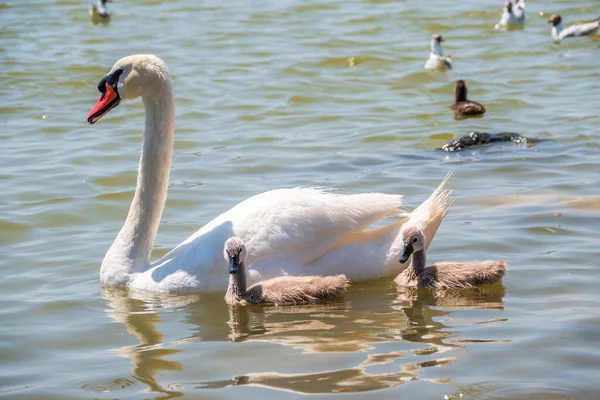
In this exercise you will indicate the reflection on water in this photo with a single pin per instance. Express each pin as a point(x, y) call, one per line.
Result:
point(370, 315)
point(148, 356)
point(415, 316)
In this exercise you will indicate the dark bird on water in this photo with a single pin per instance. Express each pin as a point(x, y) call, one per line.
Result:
point(462, 106)
point(478, 139)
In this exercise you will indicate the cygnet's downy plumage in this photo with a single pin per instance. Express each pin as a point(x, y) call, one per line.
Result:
point(436, 59)
point(286, 289)
point(513, 15)
point(462, 106)
point(442, 275)
point(559, 33)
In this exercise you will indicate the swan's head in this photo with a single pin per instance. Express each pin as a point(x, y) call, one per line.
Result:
point(234, 253)
point(555, 19)
point(436, 37)
point(412, 240)
point(129, 78)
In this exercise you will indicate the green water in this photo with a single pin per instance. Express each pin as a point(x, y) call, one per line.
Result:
point(281, 93)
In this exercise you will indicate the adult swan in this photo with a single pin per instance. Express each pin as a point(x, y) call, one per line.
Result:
point(299, 231)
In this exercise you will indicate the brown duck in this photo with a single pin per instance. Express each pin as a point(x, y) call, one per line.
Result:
point(286, 289)
point(461, 105)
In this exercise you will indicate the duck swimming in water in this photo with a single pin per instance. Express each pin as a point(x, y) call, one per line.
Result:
point(461, 105)
point(437, 60)
point(558, 32)
point(98, 10)
point(513, 16)
point(285, 289)
point(441, 275)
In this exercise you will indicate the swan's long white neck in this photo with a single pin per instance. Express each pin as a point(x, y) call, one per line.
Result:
point(436, 47)
point(130, 252)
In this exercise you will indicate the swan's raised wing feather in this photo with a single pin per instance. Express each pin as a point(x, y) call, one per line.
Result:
point(430, 214)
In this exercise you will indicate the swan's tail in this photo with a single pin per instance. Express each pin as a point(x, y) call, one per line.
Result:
point(375, 253)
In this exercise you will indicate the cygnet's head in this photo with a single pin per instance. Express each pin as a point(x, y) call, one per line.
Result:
point(437, 37)
point(234, 253)
point(129, 78)
point(413, 240)
point(555, 19)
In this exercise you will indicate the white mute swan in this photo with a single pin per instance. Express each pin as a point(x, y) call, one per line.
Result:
point(298, 231)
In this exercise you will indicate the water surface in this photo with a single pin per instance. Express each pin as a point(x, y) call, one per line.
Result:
point(281, 93)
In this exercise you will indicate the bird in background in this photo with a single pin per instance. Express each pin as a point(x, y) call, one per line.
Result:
point(99, 12)
point(462, 106)
point(512, 15)
point(437, 60)
point(559, 33)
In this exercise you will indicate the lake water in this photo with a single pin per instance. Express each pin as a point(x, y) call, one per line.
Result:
point(282, 93)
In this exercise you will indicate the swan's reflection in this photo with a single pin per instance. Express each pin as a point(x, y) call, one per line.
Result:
point(140, 318)
point(401, 334)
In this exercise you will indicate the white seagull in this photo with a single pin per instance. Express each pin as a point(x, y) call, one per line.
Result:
point(558, 32)
point(513, 16)
point(437, 60)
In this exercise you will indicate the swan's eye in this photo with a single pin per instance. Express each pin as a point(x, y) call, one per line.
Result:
point(415, 240)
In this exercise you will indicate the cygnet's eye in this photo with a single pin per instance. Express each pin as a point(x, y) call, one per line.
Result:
point(415, 240)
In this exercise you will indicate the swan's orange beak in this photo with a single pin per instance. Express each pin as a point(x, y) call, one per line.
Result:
point(108, 100)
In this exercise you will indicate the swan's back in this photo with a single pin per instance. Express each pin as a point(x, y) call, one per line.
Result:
point(297, 289)
point(455, 275)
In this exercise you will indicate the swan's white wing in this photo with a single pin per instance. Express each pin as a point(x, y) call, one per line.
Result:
point(281, 227)
point(300, 224)
point(429, 215)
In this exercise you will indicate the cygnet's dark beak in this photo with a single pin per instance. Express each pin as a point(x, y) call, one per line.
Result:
point(234, 261)
point(408, 250)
